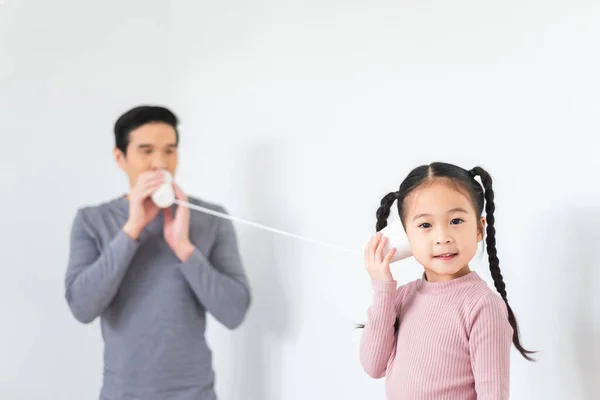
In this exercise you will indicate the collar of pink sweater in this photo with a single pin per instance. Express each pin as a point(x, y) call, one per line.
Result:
point(426, 287)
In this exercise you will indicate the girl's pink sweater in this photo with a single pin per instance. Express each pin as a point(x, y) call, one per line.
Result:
point(453, 342)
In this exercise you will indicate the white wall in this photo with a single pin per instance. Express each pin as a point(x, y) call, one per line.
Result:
point(302, 116)
point(67, 68)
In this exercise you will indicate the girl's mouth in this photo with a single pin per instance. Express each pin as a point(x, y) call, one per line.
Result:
point(446, 256)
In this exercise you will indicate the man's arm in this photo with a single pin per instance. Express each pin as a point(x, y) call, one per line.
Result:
point(219, 281)
point(93, 277)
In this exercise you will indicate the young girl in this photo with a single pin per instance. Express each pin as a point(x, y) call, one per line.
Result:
point(446, 335)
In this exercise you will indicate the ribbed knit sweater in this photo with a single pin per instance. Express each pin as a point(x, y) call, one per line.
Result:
point(453, 341)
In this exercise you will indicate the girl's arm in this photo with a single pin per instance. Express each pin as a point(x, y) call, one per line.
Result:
point(378, 339)
point(489, 342)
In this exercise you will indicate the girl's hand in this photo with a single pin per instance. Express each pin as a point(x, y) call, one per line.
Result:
point(377, 263)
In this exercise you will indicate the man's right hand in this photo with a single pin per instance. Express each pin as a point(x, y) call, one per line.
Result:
point(142, 209)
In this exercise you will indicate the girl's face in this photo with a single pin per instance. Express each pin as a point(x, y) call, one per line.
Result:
point(443, 230)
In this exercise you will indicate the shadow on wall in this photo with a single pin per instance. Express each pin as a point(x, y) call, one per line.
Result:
point(569, 271)
point(258, 359)
point(582, 244)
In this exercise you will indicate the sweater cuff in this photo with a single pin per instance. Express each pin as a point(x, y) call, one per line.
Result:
point(193, 264)
point(384, 286)
point(124, 244)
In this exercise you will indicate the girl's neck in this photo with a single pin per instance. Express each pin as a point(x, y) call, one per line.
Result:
point(432, 276)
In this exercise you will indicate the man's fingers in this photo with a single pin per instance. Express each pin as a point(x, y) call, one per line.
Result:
point(148, 190)
point(152, 182)
point(168, 215)
point(147, 176)
point(179, 193)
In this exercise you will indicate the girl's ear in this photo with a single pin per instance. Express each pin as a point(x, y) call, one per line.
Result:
point(481, 229)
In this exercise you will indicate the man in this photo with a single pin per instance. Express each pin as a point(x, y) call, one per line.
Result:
point(151, 274)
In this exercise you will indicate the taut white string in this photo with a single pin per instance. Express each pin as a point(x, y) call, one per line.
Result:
point(254, 224)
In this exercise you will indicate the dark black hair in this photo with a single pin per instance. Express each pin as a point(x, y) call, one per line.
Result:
point(480, 196)
point(139, 116)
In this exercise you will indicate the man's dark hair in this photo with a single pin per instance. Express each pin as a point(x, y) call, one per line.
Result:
point(139, 116)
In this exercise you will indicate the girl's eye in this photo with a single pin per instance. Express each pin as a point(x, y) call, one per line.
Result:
point(457, 221)
point(425, 225)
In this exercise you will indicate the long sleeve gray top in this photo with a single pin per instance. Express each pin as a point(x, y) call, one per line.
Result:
point(152, 307)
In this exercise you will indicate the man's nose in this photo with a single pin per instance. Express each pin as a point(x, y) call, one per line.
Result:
point(158, 161)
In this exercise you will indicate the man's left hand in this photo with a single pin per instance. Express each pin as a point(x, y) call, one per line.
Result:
point(177, 228)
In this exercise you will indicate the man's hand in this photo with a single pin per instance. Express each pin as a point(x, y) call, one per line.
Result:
point(177, 228)
point(142, 209)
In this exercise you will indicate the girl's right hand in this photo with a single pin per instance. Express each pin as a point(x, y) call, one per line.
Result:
point(377, 263)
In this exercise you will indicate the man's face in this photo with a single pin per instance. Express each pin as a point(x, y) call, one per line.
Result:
point(152, 146)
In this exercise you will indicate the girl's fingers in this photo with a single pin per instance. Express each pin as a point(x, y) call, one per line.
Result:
point(372, 247)
point(367, 251)
point(389, 255)
point(380, 247)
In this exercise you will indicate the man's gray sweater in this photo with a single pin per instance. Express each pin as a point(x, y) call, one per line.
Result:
point(152, 307)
